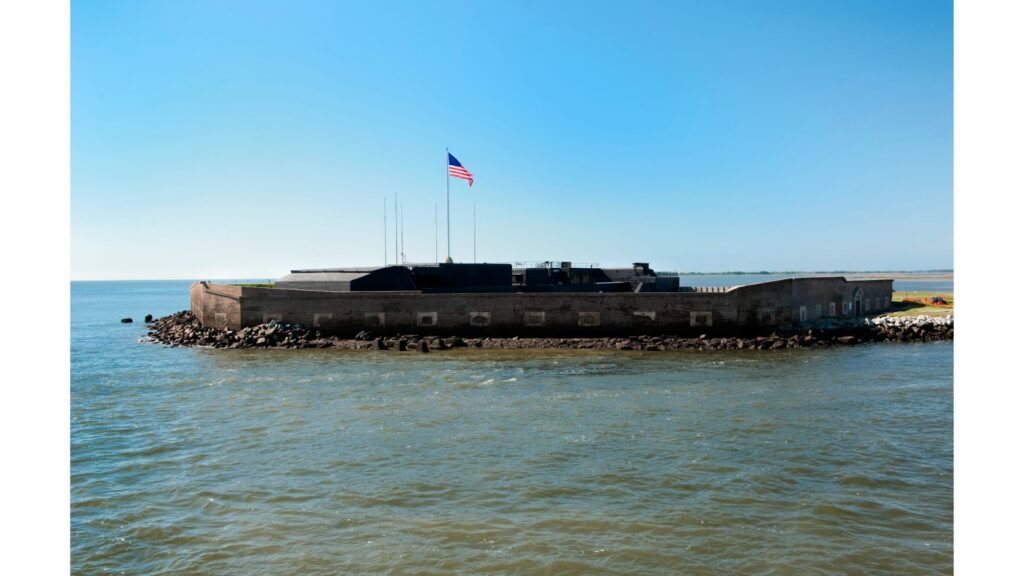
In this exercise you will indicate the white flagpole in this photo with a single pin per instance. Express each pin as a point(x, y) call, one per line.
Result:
point(448, 203)
point(435, 233)
point(385, 231)
point(474, 231)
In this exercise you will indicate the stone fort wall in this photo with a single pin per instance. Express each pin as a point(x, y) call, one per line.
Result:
point(756, 307)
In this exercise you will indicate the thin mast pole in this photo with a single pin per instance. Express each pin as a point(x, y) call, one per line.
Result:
point(385, 231)
point(435, 233)
point(396, 227)
point(403, 233)
point(474, 231)
point(448, 203)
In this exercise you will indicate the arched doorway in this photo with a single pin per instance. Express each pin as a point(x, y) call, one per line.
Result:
point(857, 297)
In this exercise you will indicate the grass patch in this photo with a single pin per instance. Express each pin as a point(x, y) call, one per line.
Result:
point(908, 303)
point(264, 285)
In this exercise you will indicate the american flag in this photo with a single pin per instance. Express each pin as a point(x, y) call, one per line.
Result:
point(455, 169)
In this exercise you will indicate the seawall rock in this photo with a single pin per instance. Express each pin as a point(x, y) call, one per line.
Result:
point(184, 329)
point(911, 328)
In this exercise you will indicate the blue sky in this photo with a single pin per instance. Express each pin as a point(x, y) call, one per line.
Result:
point(242, 139)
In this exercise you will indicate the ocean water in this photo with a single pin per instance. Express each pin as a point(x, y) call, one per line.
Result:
point(501, 462)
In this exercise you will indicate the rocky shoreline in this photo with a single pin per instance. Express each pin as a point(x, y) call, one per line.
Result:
point(184, 329)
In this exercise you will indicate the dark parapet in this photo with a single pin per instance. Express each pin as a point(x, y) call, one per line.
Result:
point(613, 286)
point(451, 277)
point(388, 278)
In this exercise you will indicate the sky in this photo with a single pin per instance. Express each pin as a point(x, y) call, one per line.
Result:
point(243, 139)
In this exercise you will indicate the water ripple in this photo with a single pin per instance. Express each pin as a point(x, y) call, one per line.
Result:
point(318, 462)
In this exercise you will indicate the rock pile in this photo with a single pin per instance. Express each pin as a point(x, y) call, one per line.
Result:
point(184, 329)
point(912, 328)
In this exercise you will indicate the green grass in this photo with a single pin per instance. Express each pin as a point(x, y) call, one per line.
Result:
point(915, 304)
point(265, 285)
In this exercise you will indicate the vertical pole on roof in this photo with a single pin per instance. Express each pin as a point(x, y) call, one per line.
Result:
point(474, 231)
point(385, 231)
point(435, 233)
point(396, 228)
point(448, 203)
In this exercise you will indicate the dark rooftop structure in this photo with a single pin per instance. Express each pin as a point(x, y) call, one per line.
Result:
point(350, 279)
point(481, 278)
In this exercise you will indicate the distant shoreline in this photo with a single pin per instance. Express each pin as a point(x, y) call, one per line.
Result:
point(946, 275)
point(936, 275)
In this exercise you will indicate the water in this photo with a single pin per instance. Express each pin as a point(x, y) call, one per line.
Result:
point(510, 462)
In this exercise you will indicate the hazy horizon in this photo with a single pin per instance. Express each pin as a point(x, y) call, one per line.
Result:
point(680, 272)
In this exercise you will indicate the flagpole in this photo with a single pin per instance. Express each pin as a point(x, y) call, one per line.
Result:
point(385, 231)
point(474, 231)
point(448, 203)
point(435, 233)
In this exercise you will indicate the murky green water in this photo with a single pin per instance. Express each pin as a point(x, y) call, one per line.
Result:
point(298, 462)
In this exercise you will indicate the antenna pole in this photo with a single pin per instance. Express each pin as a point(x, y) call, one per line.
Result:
point(396, 227)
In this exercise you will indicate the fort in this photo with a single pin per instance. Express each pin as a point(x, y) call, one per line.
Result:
point(540, 300)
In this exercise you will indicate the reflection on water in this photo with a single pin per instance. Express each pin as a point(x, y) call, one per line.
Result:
point(268, 462)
